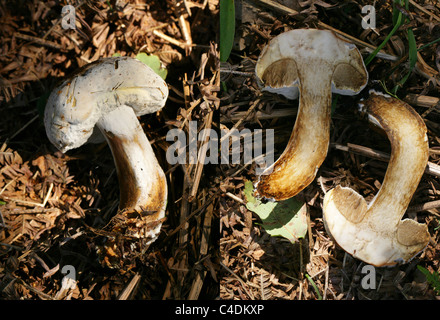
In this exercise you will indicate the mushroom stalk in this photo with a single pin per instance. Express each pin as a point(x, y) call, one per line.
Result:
point(397, 189)
point(307, 148)
point(375, 233)
point(142, 182)
point(313, 63)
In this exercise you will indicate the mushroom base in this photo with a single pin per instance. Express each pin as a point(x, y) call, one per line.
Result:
point(356, 237)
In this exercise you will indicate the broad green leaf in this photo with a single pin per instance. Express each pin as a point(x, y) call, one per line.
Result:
point(227, 28)
point(286, 218)
point(153, 62)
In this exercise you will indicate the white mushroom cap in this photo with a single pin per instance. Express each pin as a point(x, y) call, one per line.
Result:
point(298, 53)
point(77, 104)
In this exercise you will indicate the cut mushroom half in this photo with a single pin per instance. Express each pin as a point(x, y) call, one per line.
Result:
point(375, 233)
point(109, 94)
point(313, 63)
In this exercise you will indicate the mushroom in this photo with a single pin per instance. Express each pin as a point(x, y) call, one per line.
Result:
point(315, 63)
point(375, 233)
point(109, 94)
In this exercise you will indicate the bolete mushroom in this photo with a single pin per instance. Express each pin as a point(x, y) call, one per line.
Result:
point(375, 233)
point(109, 94)
point(314, 63)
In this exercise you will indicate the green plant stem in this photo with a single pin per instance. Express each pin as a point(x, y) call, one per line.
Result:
point(314, 286)
point(374, 53)
point(428, 44)
point(412, 59)
point(432, 278)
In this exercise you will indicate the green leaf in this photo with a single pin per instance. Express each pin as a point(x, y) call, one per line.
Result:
point(397, 24)
point(2, 203)
point(396, 12)
point(432, 278)
point(314, 286)
point(286, 218)
point(154, 63)
point(412, 48)
point(428, 44)
point(398, 20)
point(412, 59)
point(227, 28)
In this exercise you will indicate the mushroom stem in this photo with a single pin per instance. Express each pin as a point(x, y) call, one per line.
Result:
point(307, 147)
point(409, 155)
point(313, 63)
point(142, 182)
point(375, 233)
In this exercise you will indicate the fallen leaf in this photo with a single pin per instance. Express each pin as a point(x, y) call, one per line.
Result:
point(286, 218)
point(154, 63)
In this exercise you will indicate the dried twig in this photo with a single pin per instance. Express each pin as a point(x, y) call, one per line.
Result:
point(425, 207)
point(162, 35)
point(201, 157)
point(31, 202)
point(37, 40)
point(239, 122)
point(286, 10)
point(130, 288)
point(431, 168)
point(422, 101)
point(243, 284)
point(419, 7)
point(259, 115)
